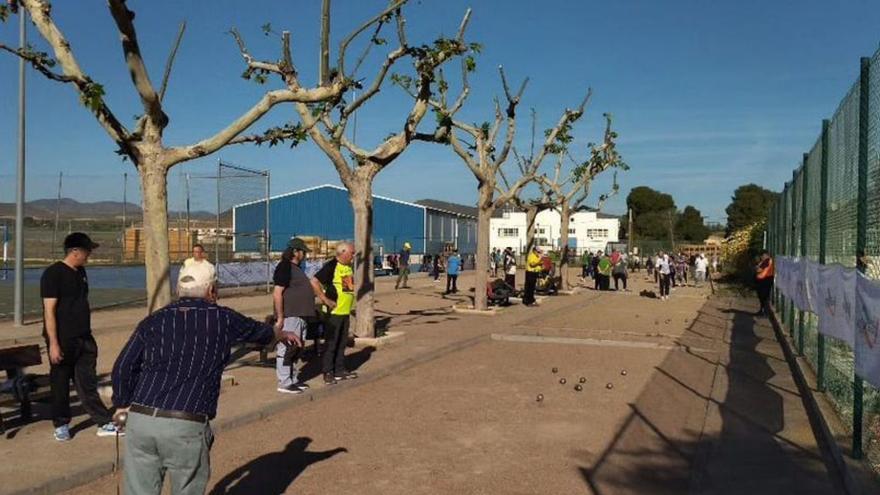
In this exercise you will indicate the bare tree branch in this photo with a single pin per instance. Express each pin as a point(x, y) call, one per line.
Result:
point(139, 75)
point(90, 93)
point(170, 63)
point(343, 46)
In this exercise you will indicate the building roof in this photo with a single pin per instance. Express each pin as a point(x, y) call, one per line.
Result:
point(458, 209)
point(499, 212)
point(432, 204)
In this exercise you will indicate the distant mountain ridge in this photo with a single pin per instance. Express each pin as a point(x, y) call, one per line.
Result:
point(76, 210)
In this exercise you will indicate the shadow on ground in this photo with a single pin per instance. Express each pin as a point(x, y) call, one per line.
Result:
point(662, 446)
point(273, 473)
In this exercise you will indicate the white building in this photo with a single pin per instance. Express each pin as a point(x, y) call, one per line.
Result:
point(588, 230)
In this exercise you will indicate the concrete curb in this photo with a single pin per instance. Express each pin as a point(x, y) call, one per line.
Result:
point(469, 310)
point(855, 476)
point(70, 480)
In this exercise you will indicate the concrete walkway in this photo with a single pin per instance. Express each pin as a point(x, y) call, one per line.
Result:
point(717, 412)
point(755, 437)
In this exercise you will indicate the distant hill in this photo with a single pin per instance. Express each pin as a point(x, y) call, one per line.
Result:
point(73, 209)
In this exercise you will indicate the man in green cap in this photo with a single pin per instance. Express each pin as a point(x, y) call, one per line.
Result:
point(294, 302)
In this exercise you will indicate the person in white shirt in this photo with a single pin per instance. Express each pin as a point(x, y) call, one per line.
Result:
point(665, 275)
point(199, 257)
point(701, 265)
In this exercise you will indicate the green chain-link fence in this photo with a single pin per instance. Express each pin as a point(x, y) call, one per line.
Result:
point(830, 213)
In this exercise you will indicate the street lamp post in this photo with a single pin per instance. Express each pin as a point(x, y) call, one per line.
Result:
point(18, 303)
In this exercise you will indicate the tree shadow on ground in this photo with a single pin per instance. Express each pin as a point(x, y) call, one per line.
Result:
point(273, 473)
point(672, 442)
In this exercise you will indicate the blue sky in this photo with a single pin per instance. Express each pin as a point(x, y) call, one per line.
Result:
point(706, 96)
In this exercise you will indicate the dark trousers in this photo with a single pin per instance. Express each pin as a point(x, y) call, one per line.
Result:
point(617, 278)
point(529, 289)
point(510, 279)
point(764, 288)
point(335, 339)
point(451, 283)
point(79, 363)
point(604, 282)
point(664, 284)
point(436, 273)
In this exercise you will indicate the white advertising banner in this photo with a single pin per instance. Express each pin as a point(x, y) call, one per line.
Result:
point(867, 322)
point(811, 275)
point(837, 299)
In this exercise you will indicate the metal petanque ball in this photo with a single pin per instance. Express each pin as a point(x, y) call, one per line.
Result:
point(583, 380)
point(555, 370)
point(609, 386)
point(562, 381)
point(578, 387)
point(540, 397)
point(623, 372)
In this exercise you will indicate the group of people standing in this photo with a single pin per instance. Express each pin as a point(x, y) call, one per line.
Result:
point(166, 379)
point(603, 268)
point(670, 271)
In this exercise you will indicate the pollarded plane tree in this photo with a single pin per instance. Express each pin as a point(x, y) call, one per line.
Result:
point(569, 192)
point(484, 152)
point(143, 143)
point(326, 124)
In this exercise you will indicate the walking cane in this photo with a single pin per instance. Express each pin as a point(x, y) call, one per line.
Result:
point(119, 419)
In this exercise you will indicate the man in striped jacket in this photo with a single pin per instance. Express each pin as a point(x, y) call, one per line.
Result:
point(167, 378)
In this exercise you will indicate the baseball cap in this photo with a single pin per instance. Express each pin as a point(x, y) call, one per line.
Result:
point(195, 276)
point(298, 244)
point(79, 240)
point(406, 245)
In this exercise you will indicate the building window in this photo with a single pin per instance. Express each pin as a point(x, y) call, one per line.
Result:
point(508, 232)
point(540, 230)
point(571, 231)
point(594, 233)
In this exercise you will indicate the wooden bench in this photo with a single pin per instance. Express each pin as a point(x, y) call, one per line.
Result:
point(19, 386)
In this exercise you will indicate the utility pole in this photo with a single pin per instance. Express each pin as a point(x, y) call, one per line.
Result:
point(18, 318)
point(630, 233)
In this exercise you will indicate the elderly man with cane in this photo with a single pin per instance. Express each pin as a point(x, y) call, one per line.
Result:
point(166, 382)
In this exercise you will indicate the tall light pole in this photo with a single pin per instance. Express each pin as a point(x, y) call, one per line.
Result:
point(18, 319)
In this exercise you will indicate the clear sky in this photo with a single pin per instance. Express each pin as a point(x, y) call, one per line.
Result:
point(706, 95)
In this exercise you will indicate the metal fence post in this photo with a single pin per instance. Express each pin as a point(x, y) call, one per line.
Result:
point(823, 236)
point(802, 327)
point(861, 235)
point(791, 247)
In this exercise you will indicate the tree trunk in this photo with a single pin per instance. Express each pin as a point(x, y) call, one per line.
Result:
point(531, 217)
point(484, 216)
point(563, 239)
point(154, 188)
point(361, 196)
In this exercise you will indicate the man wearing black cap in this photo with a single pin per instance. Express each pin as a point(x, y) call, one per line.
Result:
point(67, 327)
point(294, 303)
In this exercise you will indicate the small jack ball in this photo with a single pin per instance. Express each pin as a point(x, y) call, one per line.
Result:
point(578, 387)
point(540, 397)
point(609, 386)
point(583, 380)
point(562, 381)
point(623, 372)
point(555, 370)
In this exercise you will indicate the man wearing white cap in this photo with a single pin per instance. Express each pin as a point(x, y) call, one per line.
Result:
point(403, 274)
point(167, 378)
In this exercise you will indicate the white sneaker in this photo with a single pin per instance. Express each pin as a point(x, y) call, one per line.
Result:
point(292, 389)
point(110, 430)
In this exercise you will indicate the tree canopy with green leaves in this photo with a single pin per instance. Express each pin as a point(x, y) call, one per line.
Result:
point(689, 226)
point(750, 203)
point(651, 212)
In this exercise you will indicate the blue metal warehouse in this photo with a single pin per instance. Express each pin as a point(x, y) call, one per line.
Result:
point(326, 211)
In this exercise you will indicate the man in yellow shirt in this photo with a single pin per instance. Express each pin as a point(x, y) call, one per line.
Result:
point(334, 286)
point(533, 268)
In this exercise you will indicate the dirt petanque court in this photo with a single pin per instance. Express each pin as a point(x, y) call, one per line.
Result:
point(692, 395)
